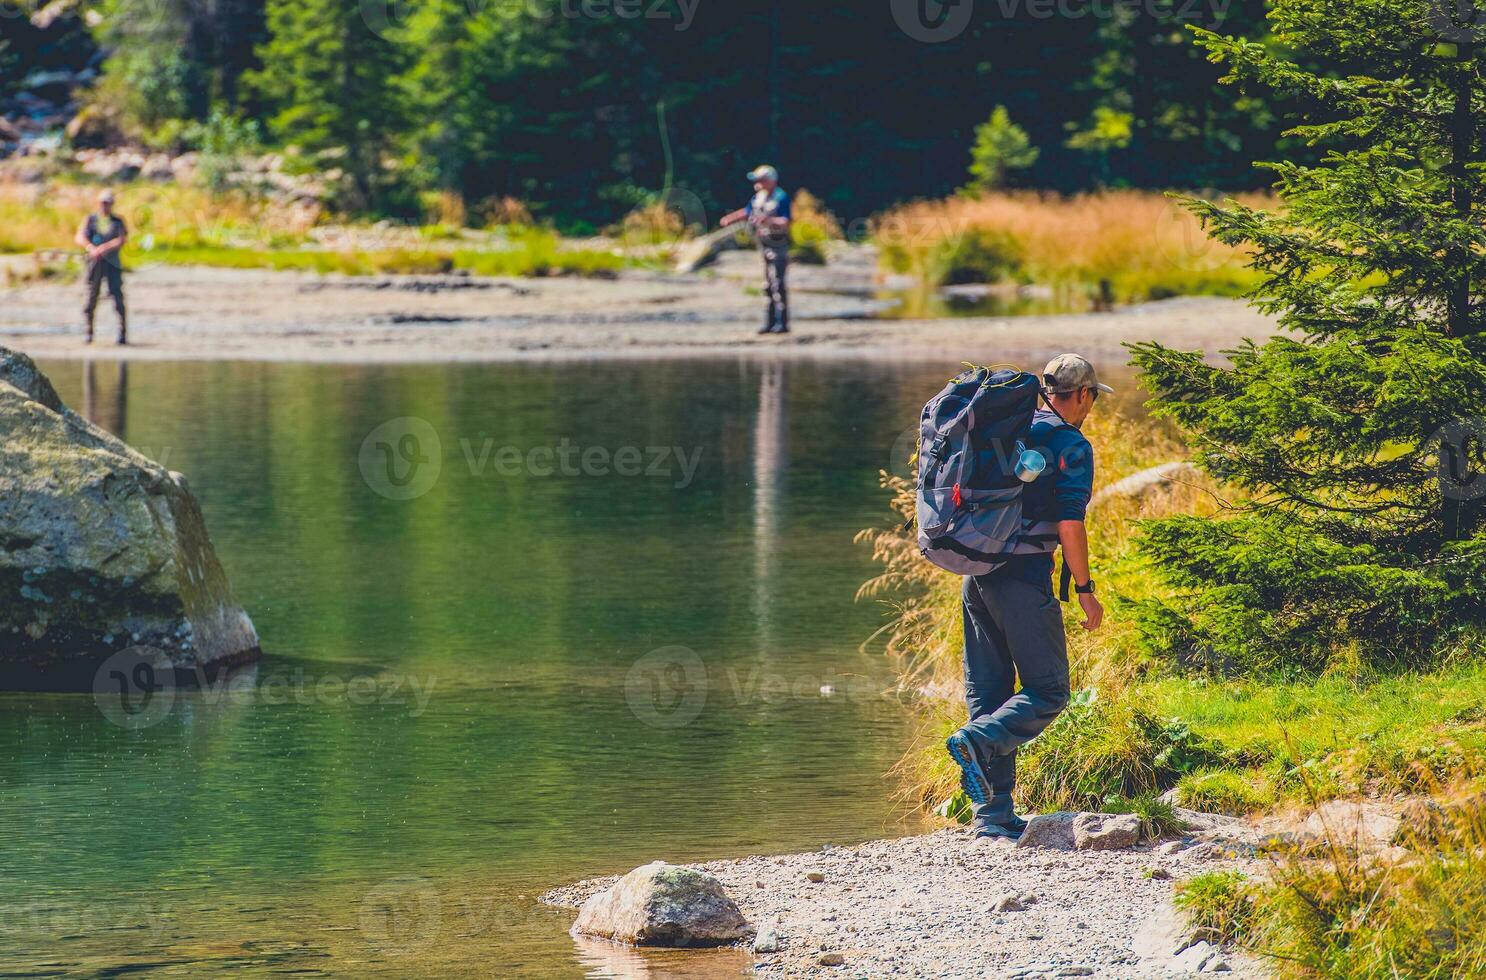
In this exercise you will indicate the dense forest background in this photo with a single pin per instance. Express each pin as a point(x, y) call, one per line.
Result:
point(585, 109)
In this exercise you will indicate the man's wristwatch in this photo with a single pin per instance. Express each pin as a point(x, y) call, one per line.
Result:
point(1084, 589)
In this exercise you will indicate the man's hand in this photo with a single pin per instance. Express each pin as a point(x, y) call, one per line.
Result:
point(1093, 611)
point(733, 217)
point(1075, 541)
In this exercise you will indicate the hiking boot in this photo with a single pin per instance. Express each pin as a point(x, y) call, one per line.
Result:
point(972, 777)
point(1011, 829)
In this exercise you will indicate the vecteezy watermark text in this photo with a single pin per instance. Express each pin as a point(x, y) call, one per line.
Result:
point(569, 459)
point(384, 16)
point(140, 686)
point(937, 21)
point(402, 458)
point(670, 687)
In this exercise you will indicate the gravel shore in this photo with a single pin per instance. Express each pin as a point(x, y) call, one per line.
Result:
point(923, 907)
point(187, 313)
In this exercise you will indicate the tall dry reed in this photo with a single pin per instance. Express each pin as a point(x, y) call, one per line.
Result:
point(1144, 244)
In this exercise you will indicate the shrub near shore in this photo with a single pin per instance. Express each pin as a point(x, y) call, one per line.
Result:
point(1141, 243)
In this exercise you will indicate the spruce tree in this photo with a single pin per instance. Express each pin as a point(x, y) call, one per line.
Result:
point(1354, 435)
point(330, 73)
point(1000, 146)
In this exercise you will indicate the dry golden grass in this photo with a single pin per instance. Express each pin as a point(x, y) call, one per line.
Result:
point(1145, 244)
point(811, 211)
point(1340, 905)
point(36, 216)
point(656, 223)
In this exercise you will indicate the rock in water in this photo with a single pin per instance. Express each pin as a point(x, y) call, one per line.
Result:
point(664, 905)
point(101, 550)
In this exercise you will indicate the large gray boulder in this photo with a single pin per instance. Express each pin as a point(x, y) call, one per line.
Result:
point(101, 550)
point(664, 905)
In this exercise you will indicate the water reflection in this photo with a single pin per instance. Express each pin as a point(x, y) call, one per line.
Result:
point(106, 399)
point(609, 961)
point(770, 467)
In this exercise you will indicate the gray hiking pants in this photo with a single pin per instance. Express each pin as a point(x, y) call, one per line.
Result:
point(776, 269)
point(1013, 630)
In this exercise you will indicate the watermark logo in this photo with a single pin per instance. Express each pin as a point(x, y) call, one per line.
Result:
point(903, 457)
point(672, 686)
point(687, 207)
point(401, 458)
point(1457, 21)
point(135, 688)
point(1462, 459)
point(933, 21)
point(402, 916)
point(1183, 243)
point(667, 688)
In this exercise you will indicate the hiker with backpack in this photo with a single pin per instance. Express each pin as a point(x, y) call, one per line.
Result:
point(768, 214)
point(1003, 483)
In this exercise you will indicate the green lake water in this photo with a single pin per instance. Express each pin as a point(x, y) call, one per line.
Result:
point(530, 659)
point(543, 666)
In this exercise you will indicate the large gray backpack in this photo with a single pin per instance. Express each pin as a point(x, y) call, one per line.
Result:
point(974, 461)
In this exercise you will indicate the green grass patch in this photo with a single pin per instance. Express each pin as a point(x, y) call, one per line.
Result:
point(1222, 901)
point(1104, 750)
point(1391, 733)
point(1158, 818)
point(1232, 791)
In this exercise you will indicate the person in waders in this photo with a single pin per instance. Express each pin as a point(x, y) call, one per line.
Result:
point(768, 213)
point(1014, 622)
point(102, 235)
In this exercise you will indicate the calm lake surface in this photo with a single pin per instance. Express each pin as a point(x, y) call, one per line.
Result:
point(522, 625)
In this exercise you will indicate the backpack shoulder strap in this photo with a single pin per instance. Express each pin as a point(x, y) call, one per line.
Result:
point(1042, 393)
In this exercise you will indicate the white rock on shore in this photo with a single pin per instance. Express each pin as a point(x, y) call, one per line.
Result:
point(664, 905)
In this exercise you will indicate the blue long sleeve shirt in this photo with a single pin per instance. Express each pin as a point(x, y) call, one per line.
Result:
point(1062, 492)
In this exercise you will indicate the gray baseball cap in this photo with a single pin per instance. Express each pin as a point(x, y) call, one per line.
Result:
point(763, 171)
point(1070, 372)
